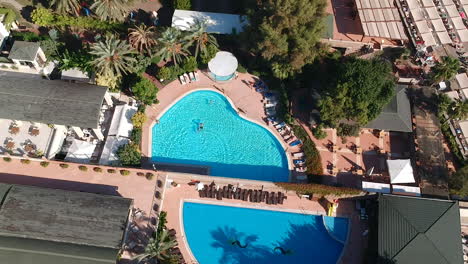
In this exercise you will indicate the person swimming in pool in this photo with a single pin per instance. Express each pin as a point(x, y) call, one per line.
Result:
point(237, 243)
point(283, 251)
point(200, 126)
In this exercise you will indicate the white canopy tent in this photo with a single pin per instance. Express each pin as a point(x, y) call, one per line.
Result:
point(438, 25)
point(428, 39)
point(444, 37)
point(109, 152)
point(412, 4)
point(400, 171)
point(463, 33)
point(427, 3)
point(80, 151)
point(422, 27)
point(218, 23)
point(458, 23)
point(462, 80)
point(121, 124)
point(376, 187)
point(224, 64)
point(417, 14)
point(432, 12)
point(452, 11)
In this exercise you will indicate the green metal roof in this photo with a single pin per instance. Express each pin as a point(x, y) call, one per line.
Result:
point(418, 230)
point(57, 226)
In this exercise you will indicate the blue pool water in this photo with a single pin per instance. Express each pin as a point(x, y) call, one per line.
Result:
point(230, 145)
point(211, 231)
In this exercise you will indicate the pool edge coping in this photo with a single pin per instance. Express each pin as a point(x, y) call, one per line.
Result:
point(234, 107)
point(296, 211)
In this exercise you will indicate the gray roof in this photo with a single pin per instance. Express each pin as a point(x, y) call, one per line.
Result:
point(396, 115)
point(24, 50)
point(418, 230)
point(29, 98)
point(57, 225)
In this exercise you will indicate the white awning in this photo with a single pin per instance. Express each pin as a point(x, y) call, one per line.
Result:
point(465, 94)
point(376, 187)
point(438, 25)
point(432, 12)
point(75, 74)
point(447, 2)
point(427, 3)
point(422, 27)
point(216, 22)
point(400, 171)
point(109, 152)
point(121, 124)
point(464, 127)
point(80, 151)
point(462, 80)
point(458, 23)
point(463, 33)
point(406, 190)
point(452, 11)
point(223, 64)
point(428, 39)
point(444, 37)
point(79, 132)
point(412, 4)
point(417, 14)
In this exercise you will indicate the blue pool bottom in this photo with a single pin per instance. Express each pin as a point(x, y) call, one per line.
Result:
point(217, 234)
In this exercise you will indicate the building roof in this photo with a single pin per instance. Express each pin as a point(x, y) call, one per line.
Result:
point(218, 23)
point(24, 50)
point(58, 226)
point(400, 171)
point(419, 230)
point(29, 98)
point(223, 64)
point(396, 115)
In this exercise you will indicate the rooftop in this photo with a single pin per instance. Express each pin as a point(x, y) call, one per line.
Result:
point(26, 97)
point(396, 115)
point(419, 230)
point(216, 22)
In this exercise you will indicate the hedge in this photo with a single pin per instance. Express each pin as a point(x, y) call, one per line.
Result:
point(83, 168)
point(64, 165)
point(320, 189)
point(110, 170)
point(149, 176)
point(124, 172)
point(44, 164)
point(97, 169)
point(7, 159)
point(313, 159)
point(25, 161)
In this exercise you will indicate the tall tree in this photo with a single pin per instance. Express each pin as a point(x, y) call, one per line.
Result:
point(361, 88)
point(201, 38)
point(142, 38)
point(446, 69)
point(66, 6)
point(174, 46)
point(113, 57)
point(158, 248)
point(286, 33)
point(111, 10)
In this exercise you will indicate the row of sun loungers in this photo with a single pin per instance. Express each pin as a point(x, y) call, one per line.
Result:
point(188, 78)
point(255, 196)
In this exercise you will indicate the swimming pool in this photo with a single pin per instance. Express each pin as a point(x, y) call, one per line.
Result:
point(203, 129)
point(232, 235)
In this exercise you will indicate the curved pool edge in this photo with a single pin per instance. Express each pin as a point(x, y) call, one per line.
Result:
point(182, 230)
point(282, 143)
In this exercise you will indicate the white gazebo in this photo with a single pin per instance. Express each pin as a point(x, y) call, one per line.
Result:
point(223, 66)
point(80, 151)
point(400, 171)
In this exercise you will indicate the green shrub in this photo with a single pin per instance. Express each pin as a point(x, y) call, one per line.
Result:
point(135, 137)
point(141, 174)
point(145, 91)
point(97, 169)
point(318, 132)
point(346, 130)
point(42, 17)
point(241, 69)
point(164, 73)
point(83, 168)
point(320, 189)
point(111, 171)
point(7, 159)
point(25, 161)
point(44, 164)
point(313, 159)
point(189, 64)
point(138, 119)
point(64, 165)
point(124, 172)
point(183, 4)
point(129, 155)
point(10, 17)
point(210, 53)
point(149, 176)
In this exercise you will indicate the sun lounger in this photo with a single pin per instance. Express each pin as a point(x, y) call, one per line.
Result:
point(270, 112)
point(182, 80)
point(187, 78)
point(219, 195)
point(280, 197)
point(287, 138)
point(301, 169)
point(298, 154)
point(280, 125)
point(295, 143)
point(197, 77)
point(268, 105)
point(299, 161)
point(272, 198)
point(192, 76)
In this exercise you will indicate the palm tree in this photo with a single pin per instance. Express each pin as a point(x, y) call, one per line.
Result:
point(113, 57)
point(158, 248)
point(111, 10)
point(201, 38)
point(459, 110)
point(446, 69)
point(142, 38)
point(173, 45)
point(66, 6)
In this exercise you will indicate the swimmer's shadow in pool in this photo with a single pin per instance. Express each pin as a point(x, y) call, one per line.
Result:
point(301, 244)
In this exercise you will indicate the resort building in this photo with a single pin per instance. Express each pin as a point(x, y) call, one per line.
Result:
point(217, 23)
point(55, 119)
point(459, 128)
point(27, 57)
point(41, 225)
point(417, 230)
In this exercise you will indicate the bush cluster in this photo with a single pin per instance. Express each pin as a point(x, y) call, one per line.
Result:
point(124, 172)
point(313, 159)
point(135, 137)
point(25, 161)
point(45, 17)
point(7, 159)
point(111, 171)
point(149, 176)
point(44, 164)
point(318, 132)
point(320, 189)
point(83, 168)
point(97, 169)
point(64, 165)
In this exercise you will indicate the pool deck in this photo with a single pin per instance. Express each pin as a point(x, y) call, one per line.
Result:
point(246, 100)
point(175, 196)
